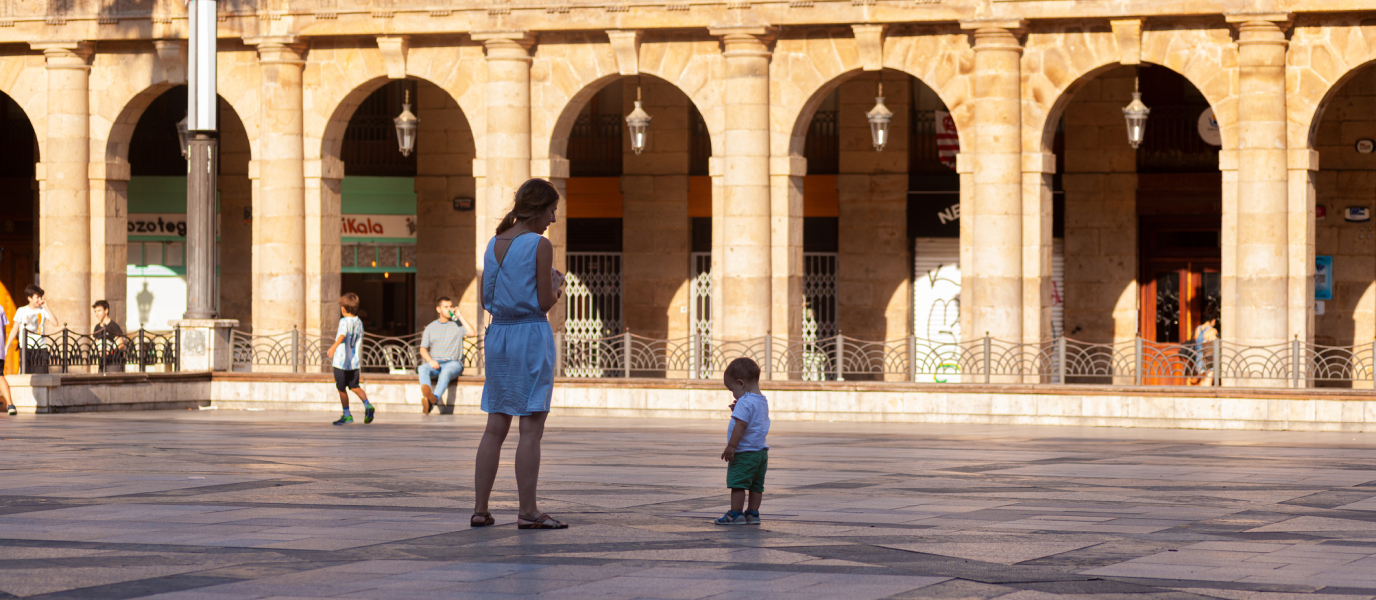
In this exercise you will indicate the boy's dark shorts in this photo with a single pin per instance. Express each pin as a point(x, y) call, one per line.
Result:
point(746, 471)
point(346, 380)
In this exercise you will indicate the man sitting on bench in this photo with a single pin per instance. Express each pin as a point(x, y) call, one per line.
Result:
point(441, 352)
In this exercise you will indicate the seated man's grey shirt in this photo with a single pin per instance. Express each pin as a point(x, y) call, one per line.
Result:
point(444, 340)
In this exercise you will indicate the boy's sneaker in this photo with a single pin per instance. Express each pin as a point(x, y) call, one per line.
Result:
point(12, 411)
point(752, 517)
point(344, 420)
point(368, 414)
point(731, 518)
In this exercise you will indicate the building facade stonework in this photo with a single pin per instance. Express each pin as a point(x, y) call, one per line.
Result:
point(1032, 87)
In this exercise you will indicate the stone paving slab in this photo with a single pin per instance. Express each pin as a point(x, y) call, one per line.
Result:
point(229, 505)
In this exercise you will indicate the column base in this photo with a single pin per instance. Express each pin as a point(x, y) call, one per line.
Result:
point(205, 344)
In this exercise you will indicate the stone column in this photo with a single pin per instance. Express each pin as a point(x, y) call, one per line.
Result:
point(507, 141)
point(1303, 166)
point(995, 276)
point(786, 268)
point(1263, 268)
point(64, 215)
point(741, 254)
point(279, 205)
point(109, 236)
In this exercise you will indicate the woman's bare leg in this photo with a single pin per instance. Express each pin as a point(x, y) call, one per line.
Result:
point(5, 398)
point(528, 462)
point(489, 455)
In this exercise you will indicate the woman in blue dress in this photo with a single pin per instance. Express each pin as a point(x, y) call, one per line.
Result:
point(520, 285)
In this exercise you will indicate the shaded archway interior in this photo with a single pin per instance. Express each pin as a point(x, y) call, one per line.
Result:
point(18, 209)
point(155, 198)
point(407, 233)
point(1344, 243)
point(1142, 227)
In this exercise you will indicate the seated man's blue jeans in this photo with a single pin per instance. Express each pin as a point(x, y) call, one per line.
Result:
point(449, 369)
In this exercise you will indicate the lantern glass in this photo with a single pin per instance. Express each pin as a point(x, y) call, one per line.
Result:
point(184, 136)
point(637, 122)
point(1135, 113)
point(879, 117)
point(406, 124)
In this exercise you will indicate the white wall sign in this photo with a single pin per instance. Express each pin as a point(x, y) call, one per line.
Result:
point(1208, 128)
point(379, 226)
point(157, 224)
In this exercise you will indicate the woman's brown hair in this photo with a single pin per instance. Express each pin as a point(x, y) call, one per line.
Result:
point(532, 198)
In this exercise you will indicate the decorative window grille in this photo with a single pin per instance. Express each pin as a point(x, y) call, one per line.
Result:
point(700, 327)
point(823, 144)
point(819, 292)
point(592, 313)
point(400, 257)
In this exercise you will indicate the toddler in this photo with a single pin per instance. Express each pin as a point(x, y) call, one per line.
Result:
point(746, 454)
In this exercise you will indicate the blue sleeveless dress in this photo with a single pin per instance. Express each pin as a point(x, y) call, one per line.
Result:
point(519, 344)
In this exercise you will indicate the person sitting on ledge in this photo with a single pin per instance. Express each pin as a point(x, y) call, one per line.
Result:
point(441, 352)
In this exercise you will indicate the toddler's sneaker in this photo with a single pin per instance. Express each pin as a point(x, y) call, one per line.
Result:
point(731, 518)
point(344, 420)
point(752, 517)
point(368, 414)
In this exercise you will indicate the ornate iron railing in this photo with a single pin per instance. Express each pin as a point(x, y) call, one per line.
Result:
point(68, 351)
point(1136, 362)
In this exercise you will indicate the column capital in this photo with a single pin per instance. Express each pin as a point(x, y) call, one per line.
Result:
point(1261, 29)
point(506, 45)
point(996, 35)
point(66, 54)
point(744, 40)
point(278, 49)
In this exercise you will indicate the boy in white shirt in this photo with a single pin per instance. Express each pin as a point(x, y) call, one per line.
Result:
point(345, 354)
point(5, 385)
point(35, 319)
point(746, 453)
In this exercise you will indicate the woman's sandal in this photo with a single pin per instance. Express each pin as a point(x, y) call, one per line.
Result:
point(543, 522)
point(482, 519)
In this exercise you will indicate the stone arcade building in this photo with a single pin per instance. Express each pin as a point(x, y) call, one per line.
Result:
point(759, 204)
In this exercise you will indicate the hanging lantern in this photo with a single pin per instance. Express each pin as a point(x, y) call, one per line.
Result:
point(880, 116)
point(183, 136)
point(406, 124)
point(1136, 114)
point(638, 121)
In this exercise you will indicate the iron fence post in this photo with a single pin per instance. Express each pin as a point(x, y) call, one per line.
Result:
point(1060, 361)
point(988, 356)
point(558, 354)
point(177, 349)
point(912, 358)
point(768, 356)
point(1295, 361)
point(840, 349)
point(694, 350)
point(66, 349)
point(1218, 362)
point(295, 350)
point(1137, 360)
point(626, 353)
point(23, 351)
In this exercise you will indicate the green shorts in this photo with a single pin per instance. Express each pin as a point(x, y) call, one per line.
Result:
point(746, 471)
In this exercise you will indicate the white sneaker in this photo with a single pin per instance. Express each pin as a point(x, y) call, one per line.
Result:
point(12, 411)
point(727, 519)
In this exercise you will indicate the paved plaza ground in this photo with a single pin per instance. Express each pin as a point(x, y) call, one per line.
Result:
point(215, 505)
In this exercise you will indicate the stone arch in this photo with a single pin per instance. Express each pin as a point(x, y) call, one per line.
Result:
point(805, 70)
point(568, 72)
point(1057, 63)
point(339, 76)
point(1324, 54)
point(24, 79)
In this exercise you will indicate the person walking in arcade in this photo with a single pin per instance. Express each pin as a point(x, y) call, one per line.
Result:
point(520, 285)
